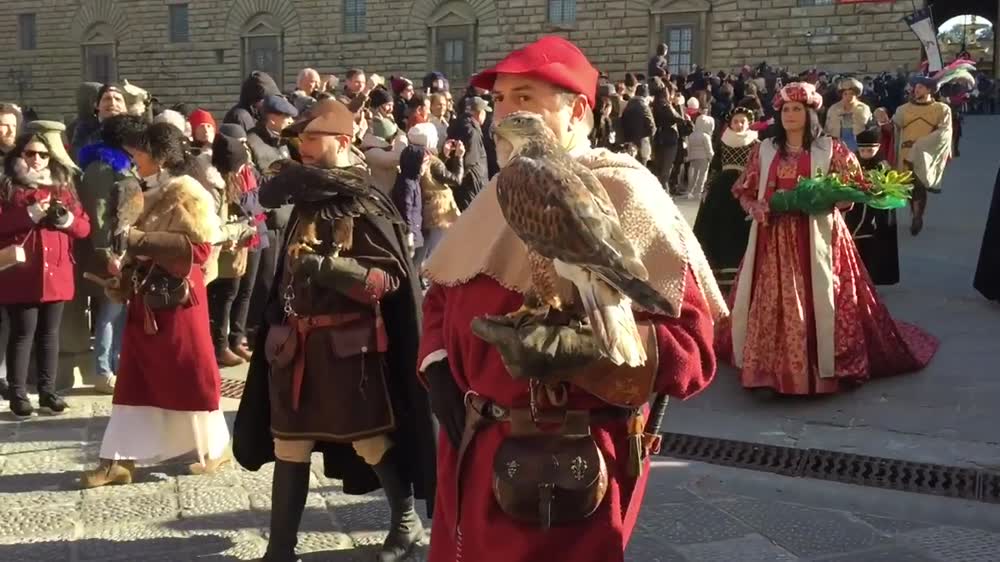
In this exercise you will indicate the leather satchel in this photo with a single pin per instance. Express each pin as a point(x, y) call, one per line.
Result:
point(160, 290)
point(281, 345)
point(549, 478)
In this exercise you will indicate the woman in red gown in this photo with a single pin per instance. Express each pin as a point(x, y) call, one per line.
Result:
point(166, 402)
point(806, 318)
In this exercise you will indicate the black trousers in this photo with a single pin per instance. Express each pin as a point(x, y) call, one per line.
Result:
point(664, 156)
point(241, 305)
point(229, 305)
point(33, 324)
point(265, 280)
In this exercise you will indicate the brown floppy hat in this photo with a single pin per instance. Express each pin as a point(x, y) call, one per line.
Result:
point(327, 117)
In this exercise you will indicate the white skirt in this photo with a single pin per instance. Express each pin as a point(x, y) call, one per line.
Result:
point(151, 435)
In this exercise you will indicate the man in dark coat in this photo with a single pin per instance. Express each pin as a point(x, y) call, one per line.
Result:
point(255, 88)
point(468, 128)
point(267, 147)
point(348, 386)
point(987, 280)
point(659, 64)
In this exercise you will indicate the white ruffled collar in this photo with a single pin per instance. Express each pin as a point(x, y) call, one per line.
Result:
point(733, 139)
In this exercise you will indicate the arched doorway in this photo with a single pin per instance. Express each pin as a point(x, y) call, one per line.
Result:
point(455, 31)
point(967, 36)
point(263, 28)
point(989, 10)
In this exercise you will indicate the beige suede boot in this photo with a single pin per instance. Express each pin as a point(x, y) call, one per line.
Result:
point(109, 472)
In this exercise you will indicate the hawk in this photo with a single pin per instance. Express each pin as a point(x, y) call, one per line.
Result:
point(337, 196)
point(562, 213)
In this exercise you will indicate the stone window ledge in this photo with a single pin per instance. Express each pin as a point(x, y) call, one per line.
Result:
point(549, 26)
point(352, 37)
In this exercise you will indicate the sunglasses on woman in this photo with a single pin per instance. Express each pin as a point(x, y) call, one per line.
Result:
point(36, 154)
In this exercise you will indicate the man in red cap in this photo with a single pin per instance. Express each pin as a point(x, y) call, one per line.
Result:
point(495, 507)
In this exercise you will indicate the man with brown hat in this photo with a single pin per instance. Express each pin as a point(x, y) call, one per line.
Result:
point(339, 343)
point(489, 391)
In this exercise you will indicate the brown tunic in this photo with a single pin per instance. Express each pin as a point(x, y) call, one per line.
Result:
point(343, 395)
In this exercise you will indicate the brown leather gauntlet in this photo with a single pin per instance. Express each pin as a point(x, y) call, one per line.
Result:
point(169, 250)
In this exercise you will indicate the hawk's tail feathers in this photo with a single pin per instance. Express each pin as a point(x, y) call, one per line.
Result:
point(639, 291)
point(614, 326)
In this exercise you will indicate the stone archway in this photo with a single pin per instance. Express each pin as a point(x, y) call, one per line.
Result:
point(263, 28)
point(283, 13)
point(98, 28)
point(944, 10)
point(91, 14)
point(426, 11)
point(454, 29)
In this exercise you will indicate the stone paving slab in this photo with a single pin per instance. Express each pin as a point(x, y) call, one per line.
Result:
point(691, 512)
point(880, 554)
point(749, 548)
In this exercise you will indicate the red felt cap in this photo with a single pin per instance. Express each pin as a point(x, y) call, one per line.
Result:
point(551, 59)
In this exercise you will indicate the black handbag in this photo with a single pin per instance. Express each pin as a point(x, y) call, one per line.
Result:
point(160, 290)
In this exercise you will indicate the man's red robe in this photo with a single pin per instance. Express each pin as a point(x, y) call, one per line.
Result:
point(486, 534)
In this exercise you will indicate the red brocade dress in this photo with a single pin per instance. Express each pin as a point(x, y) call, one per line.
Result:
point(780, 329)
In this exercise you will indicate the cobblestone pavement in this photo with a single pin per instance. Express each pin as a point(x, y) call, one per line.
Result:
point(691, 513)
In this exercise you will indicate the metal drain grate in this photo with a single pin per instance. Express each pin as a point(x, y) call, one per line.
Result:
point(876, 472)
point(755, 456)
point(892, 474)
point(232, 388)
point(990, 488)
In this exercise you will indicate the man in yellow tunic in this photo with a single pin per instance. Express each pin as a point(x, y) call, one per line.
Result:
point(923, 138)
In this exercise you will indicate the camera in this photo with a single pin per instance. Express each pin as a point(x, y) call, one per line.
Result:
point(56, 213)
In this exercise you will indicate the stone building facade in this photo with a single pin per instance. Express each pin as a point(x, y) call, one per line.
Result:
point(198, 51)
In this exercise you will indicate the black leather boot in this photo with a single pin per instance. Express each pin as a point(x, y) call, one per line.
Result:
point(405, 528)
point(288, 499)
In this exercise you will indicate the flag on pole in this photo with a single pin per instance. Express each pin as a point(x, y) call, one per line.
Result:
point(922, 25)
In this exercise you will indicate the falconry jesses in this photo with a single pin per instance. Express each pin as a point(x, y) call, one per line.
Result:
point(563, 214)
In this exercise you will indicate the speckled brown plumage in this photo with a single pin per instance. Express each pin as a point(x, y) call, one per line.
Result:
point(545, 280)
point(560, 210)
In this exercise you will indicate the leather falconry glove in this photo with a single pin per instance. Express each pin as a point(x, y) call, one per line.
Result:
point(447, 400)
point(539, 351)
point(341, 274)
point(169, 250)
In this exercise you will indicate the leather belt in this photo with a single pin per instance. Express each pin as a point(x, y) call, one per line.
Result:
point(303, 325)
point(481, 412)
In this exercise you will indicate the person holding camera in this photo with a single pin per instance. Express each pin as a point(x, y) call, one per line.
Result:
point(40, 217)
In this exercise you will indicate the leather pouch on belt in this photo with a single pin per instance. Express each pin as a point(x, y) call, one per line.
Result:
point(549, 478)
point(361, 336)
point(281, 345)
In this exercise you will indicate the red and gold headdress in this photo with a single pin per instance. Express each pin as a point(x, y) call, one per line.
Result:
point(802, 92)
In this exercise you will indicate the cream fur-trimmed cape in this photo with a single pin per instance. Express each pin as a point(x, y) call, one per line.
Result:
point(182, 205)
point(481, 242)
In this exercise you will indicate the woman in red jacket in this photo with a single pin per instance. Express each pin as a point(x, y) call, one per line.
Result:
point(40, 214)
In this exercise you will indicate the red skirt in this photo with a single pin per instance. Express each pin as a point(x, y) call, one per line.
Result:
point(780, 348)
point(175, 368)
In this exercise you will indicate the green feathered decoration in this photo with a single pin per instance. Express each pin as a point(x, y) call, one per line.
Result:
point(884, 189)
